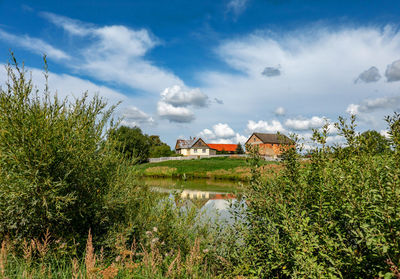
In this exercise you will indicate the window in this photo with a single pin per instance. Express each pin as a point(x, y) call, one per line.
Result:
point(195, 150)
point(204, 150)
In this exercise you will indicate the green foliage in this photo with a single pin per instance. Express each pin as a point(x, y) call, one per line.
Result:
point(374, 143)
point(132, 143)
point(331, 216)
point(239, 149)
point(139, 147)
point(55, 167)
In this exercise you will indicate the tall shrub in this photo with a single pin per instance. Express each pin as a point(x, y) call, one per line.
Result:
point(55, 166)
point(331, 216)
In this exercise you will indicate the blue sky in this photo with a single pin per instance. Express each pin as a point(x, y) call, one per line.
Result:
point(216, 69)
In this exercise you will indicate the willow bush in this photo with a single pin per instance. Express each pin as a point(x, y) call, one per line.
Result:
point(56, 168)
point(336, 215)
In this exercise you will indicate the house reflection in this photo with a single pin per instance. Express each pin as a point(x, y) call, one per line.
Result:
point(195, 194)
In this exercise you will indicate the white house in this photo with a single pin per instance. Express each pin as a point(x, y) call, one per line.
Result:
point(193, 147)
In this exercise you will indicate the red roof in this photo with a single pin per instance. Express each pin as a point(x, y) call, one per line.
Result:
point(223, 147)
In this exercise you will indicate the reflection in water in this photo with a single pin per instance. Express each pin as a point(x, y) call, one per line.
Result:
point(214, 201)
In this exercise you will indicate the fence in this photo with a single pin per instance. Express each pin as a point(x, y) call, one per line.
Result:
point(163, 159)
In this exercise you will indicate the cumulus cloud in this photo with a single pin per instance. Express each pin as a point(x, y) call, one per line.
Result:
point(370, 75)
point(222, 133)
point(179, 96)
point(370, 105)
point(304, 123)
point(174, 114)
point(132, 116)
point(271, 72)
point(393, 71)
point(35, 45)
point(280, 111)
point(237, 6)
point(263, 126)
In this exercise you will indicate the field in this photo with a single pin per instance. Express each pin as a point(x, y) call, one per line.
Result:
point(215, 168)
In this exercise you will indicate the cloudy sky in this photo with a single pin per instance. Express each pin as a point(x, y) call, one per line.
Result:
point(216, 69)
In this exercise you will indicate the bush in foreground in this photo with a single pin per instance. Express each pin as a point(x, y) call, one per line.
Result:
point(56, 168)
point(333, 216)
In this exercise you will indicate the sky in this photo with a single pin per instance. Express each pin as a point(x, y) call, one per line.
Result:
point(219, 70)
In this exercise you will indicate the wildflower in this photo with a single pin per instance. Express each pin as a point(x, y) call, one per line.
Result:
point(205, 251)
point(148, 233)
point(155, 229)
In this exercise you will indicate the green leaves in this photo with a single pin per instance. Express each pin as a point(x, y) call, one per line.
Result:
point(55, 165)
point(334, 215)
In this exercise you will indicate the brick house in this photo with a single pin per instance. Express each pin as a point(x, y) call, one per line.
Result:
point(268, 144)
point(193, 147)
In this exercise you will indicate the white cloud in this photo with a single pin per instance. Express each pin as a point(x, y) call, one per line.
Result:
point(132, 116)
point(35, 45)
point(385, 133)
point(393, 71)
point(263, 126)
point(207, 134)
point(115, 54)
point(240, 138)
point(237, 6)
point(304, 123)
point(179, 96)
point(74, 27)
point(370, 105)
point(370, 75)
point(223, 131)
point(280, 111)
point(68, 86)
point(174, 114)
point(353, 109)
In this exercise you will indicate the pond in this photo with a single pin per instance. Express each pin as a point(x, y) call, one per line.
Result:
point(212, 196)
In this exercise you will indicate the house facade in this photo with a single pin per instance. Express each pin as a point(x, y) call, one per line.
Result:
point(193, 147)
point(270, 145)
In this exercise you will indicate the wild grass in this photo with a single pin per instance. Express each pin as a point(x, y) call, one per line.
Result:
point(215, 168)
point(147, 260)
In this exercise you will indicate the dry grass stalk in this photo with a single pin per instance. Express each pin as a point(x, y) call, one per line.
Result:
point(110, 272)
point(151, 259)
point(3, 257)
point(28, 249)
point(43, 246)
point(90, 257)
point(177, 261)
point(194, 256)
point(75, 269)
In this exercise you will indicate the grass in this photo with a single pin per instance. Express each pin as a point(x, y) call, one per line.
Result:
point(215, 168)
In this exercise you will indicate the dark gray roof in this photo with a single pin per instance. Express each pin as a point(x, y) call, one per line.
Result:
point(180, 143)
point(273, 138)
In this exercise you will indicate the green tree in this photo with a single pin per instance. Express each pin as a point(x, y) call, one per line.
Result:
point(239, 149)
point(133, 144)
point(373, 142)
point(55, 166)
